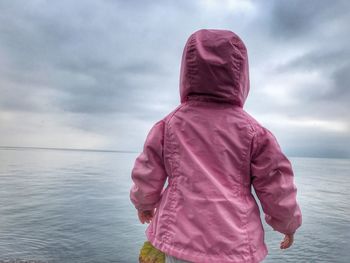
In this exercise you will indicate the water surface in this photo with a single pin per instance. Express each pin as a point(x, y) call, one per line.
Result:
point(73, 206)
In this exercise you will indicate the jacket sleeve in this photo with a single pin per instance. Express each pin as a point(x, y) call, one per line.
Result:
point(148, 174)
point(273, 181)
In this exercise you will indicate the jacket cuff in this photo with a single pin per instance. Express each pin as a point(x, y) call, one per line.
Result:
point(277, 226)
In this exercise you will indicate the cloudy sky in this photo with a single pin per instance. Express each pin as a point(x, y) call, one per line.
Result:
point(98, 74)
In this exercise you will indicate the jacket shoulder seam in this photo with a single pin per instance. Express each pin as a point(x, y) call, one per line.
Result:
point(168, 118)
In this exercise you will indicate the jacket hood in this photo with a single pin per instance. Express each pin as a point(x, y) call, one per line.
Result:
point(214, 65)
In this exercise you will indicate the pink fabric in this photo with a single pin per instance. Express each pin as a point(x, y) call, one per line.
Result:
point(212, 152)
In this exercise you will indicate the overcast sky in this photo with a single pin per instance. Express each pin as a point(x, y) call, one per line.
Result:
point(99, 74)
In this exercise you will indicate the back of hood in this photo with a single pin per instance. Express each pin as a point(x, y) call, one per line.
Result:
point(215, 65)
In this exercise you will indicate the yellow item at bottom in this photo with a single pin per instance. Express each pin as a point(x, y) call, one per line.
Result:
point(150, 254)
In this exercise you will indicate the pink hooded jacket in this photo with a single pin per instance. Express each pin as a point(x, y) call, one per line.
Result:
point(212, 151)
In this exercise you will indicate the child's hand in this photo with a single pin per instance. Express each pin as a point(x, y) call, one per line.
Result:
point(146, 216)
point(287, 241)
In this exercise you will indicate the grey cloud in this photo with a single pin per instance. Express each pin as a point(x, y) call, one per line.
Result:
point(114, 65)
point(333, 66)
point(341, 89)
point(298, 18)
point(326, 59)
point(319, 28)
point(319, 146)
point(66, 49)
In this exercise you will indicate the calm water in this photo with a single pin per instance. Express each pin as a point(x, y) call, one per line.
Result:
point(73, 206)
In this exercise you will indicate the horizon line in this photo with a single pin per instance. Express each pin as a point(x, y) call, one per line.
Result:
point(5, 147)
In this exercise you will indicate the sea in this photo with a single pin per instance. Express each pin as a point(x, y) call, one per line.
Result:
point(59, 205)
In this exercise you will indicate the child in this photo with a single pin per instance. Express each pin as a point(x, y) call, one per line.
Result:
point(212, 151)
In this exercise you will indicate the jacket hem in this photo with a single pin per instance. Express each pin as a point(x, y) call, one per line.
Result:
point(256, 257)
